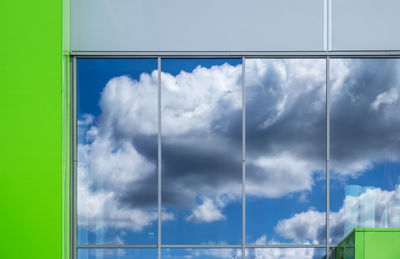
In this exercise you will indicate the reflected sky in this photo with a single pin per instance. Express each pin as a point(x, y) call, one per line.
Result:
point(203, 253)
point(285, 150)
point(365, 144)
point(201, 149)
point(117, 157)
point(86, 253)
point(286, 253)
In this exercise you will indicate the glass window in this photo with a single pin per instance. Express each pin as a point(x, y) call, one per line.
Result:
point(117, 151)
point(201, 112)
point(365, 145)
point(286, 253)
point(202, 253)
point(285, 151)
point(201, 151)
point(116, 253)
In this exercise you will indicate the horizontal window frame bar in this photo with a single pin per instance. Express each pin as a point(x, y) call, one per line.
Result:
point(286, 246)
point(233, 54)
point(203, 246)
point(114, 246)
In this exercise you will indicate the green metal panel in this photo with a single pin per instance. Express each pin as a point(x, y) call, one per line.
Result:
point(66, 115)
point(382, 243)
point(359, 244)
point(370, 243)
point(31, 168)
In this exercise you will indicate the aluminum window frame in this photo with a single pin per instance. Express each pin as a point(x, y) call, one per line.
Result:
point(327, 55)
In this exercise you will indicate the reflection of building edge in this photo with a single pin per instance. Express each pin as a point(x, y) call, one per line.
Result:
point(360, 209)
point(351, 207)
point(394, 211)
point(367, 207)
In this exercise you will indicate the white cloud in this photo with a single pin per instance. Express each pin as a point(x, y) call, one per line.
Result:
point(100, 253)
point(101, 210)
point(308, 226)
point(191, 101)
point(129, 107)
point(262, 240)
point(87, 119)
point(207, 253)
point(116, 164)
point(298, 227)
point(218, 253)
point(108, 167)
point(206, 212)
point(338, 78)
point(282, 253)
point(386, 97)
point(278, 253)
point(294, 173)
point(350, 167)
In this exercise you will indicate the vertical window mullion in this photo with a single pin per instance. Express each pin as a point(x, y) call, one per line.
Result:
point(159, 159)
point(243, 158)
point(74, 194)
point(327, 88)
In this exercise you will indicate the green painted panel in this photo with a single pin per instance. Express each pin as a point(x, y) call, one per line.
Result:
point(370, 243)
point(382, 244)
point(66, 116)
point(31, 179)
point(359, 244)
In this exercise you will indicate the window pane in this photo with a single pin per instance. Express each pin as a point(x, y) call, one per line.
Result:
point(201, 151)
point(365, 145)
point(203, 253)
point(285, 151)
point(286, 253)
point(117, 151)
point(116, 253)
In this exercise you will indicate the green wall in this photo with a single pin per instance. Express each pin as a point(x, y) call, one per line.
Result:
point(31, 135)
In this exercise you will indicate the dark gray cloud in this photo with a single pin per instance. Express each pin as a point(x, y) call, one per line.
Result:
point(358, 131)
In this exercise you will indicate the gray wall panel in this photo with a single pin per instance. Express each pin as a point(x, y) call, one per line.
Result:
point(365, 24)
point(197, 25)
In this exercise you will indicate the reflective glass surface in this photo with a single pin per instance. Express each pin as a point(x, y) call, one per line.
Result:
point(203, 253)
point(201, 139)
point(285, 151)
point(201, 151)
point(286, 253)
point(365, 145)
point(117, 253)
point(117, 151)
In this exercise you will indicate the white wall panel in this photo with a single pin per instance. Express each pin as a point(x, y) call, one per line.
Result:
point(197, 25)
